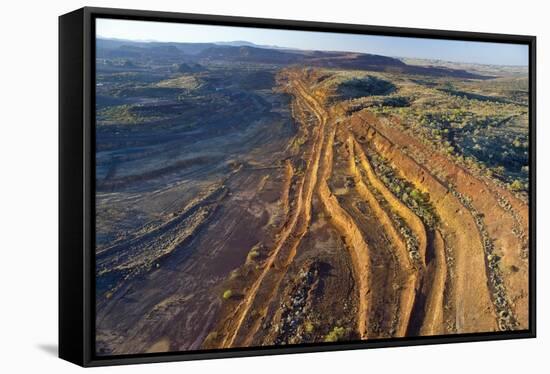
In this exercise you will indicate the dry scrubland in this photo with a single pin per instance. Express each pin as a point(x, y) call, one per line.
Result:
point(252, 197)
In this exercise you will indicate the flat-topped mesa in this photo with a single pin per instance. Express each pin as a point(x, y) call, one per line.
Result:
point(474, 310)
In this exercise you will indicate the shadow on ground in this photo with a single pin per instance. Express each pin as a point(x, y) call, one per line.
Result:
point(50, 349)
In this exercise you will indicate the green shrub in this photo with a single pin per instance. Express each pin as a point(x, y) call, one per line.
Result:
point(227, 294)
point(336, 334)
point(516, 185)
point(253, 254)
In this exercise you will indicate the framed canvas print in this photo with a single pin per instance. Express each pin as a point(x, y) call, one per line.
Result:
point(236, 186)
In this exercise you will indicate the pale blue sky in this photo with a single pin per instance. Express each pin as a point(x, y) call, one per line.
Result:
point(448, 50)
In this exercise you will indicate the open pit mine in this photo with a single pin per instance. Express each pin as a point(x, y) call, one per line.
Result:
point(245, 205)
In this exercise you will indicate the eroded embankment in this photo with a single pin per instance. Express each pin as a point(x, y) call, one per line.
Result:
point(404, 240)
point(411, 220)
point(501, 221)
point(426, 252)
point(470, 296)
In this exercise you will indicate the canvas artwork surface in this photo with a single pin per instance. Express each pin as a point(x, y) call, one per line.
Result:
point(268, 187)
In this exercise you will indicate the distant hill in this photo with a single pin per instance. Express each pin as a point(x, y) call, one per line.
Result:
point(113, 47)
point(483, 69)
point(343, 60)
point(246, 52)
point(241, 43)
point(251, 54)
point(237, 43)
point(190, 68)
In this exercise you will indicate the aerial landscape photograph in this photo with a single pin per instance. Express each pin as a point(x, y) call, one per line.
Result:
point(269, 187)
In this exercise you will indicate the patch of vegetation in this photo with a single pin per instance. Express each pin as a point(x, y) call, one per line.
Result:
point(188, 82)
point(473, 96)
point(227, 294)
point(411, 240)
point(395, 102)
point(425, 82)
point(378, 103)
point(254, 253)
point(257, 80)
point(119, 114)
point(150, 92)
point(517, 185)
point(361, 87)
point(513, 89)
point(102, 101)
point(127, 77)
point(336, 334)
point(480, 125)
point(416, 200)
point(298, 142)
point(139, 113)
point(190, 68)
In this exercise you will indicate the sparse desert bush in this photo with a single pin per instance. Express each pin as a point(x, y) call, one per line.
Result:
point(516, 185)
point(336, 334)
point(254, 253)
point(119, 113)
point(227, 294)
point(190, 68)
point(368, 86)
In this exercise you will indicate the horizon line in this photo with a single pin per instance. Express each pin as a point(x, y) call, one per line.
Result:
point(263, 46)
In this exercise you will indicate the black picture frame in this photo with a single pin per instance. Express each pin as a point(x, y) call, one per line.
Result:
point(76, 184)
